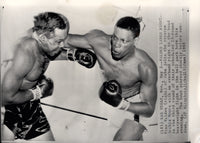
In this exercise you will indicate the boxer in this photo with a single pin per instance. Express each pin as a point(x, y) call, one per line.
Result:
point(24, 83)
point(130, 66)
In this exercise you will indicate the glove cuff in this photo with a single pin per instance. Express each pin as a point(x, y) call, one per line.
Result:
point(124, 105)
point(71, 54)
point(36, 93)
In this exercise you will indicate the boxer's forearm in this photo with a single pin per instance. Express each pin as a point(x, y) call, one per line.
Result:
point(141, 108)
point(62, 55)
point(84, 57)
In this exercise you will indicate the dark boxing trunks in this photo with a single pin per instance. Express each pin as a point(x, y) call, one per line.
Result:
point(26, 120)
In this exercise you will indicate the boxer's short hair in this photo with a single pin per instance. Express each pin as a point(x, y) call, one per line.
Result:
point(48, 21)
point(129, 23)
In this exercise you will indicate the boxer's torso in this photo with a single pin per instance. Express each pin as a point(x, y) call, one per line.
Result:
point(40, 65)
point(125, 72)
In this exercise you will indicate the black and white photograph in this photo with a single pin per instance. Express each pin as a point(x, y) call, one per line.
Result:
point(98, 72)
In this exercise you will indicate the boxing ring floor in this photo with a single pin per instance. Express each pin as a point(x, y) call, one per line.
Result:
point(76, 88)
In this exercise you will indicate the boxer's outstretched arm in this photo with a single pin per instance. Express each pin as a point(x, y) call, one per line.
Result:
point(73, 42)
point(76, 40)
point(148, 92)
point(22, 64)
point(87, 41)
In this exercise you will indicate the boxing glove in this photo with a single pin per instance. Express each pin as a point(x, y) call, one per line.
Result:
point(110, 92)
point(83, 56)
point(43, 89)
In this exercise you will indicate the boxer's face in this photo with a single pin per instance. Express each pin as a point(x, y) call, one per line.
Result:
point(122, 43)
point(55, 42)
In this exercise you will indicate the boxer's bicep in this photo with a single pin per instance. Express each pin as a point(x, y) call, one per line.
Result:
point(11, 84)
point(91, 40)
point(79, 41)
point(149, 95)
point(21, 65)
point(148, 87)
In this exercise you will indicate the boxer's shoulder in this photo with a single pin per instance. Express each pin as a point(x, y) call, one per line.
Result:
point(30, 41)
point(148, 72)
point(97, 32)
point(27, 47)
point(27, 44)
point(25, 51)
point(146, 61)
point(97, 35)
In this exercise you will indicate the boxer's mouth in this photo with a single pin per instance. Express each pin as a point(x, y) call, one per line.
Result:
point(115, 53)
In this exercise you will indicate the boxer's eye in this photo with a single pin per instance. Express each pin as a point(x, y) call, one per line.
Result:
point(58, 42)
point(114, 37)
point(124, 41)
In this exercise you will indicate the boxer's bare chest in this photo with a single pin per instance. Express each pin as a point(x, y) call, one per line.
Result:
point(40, 66)
point(126, 73)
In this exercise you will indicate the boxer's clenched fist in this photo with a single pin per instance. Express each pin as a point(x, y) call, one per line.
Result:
point(43, 89)
point(110, 92)
point(83, 56)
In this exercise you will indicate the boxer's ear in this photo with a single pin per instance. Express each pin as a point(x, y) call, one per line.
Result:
point(43, 37)
point(136, 41)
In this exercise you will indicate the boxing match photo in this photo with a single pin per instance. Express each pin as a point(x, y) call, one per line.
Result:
point(93, 72)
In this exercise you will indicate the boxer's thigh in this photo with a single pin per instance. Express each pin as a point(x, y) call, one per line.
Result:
point(7, 134)
point(129, 131)
point(48, 136)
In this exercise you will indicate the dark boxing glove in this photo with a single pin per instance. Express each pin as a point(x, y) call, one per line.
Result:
point(110, 92)
point(43, 89)
point(83, 56)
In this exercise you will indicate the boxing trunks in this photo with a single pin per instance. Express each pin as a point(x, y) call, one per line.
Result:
point(26, 120)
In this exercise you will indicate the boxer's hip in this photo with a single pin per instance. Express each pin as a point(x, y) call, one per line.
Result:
point(26, 120)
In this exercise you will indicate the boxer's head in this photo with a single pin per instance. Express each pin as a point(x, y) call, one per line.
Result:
point(123, 38)
point(130, 24)
point(51, 28)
